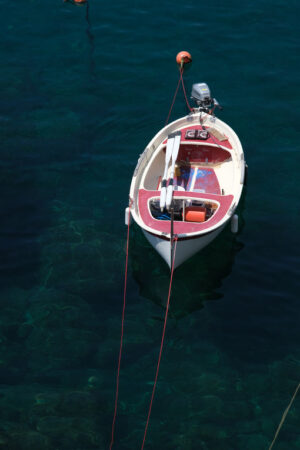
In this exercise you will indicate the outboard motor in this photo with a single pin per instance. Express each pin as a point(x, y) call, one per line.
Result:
point(201, 95)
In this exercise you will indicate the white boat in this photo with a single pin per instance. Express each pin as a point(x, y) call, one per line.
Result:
point(188, 182)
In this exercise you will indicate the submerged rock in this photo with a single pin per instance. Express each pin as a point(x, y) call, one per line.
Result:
point(3, 442)
point(253, 441)
point(78, 403)
point(29, 440)
point(71, 433)
point(56, 348)
point(212, 432)
point(239, 409)
point(93, 383)
point(210, 406)
point(47, 122)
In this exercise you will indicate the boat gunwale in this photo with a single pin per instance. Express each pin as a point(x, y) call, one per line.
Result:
point(156, 144)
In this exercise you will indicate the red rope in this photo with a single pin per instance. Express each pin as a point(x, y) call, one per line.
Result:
point(161, 348)
point(124, 304)
point(121, 342)
point(183, 88)
point(175, 95)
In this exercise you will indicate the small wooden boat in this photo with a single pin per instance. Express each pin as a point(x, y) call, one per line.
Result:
point(188, 181)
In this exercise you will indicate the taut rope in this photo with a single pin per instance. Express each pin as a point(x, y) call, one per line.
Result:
point(122, 333)
point(161, 347)
point(284, 416)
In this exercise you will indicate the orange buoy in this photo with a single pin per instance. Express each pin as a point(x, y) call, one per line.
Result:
point(183, 58)
point(78, 2)
point(195, 214)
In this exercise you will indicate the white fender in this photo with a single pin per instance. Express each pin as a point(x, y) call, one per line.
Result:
point(127, 216)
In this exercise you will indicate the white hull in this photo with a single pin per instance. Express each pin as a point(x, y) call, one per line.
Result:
point(217, 163)
point(185, 249)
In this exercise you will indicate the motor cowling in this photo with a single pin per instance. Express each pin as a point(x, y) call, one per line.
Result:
point(202, 96)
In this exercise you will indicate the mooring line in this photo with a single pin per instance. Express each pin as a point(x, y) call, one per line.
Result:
point(121, 340)
point(184, 92)
point(175, 95)
point(284, 416)
point(174, 98)
point(161, 346)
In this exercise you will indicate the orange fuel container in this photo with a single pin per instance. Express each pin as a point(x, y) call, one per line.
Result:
point(195, 214)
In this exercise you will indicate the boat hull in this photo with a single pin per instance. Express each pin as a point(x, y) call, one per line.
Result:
point(209, 173)
point(185, 248)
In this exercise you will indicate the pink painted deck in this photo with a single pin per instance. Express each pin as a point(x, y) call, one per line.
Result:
point(202, 153)
point(210, 140)
point(179, 226)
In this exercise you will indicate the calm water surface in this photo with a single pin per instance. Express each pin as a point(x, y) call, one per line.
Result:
point(82, 92)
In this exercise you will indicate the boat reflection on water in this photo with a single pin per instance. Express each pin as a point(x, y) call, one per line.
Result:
point(198, 280)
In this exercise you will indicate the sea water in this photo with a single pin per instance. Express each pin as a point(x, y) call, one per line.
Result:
point(83, 90)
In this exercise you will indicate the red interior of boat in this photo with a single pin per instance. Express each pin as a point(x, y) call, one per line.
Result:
point(190, 153)
point(181, 227)
point(210, 140)
point(202, 154)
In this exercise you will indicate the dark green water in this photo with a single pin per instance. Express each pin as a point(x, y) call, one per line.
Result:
point(82, 93)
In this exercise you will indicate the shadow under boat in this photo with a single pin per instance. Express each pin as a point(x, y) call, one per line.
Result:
point(196, 281)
